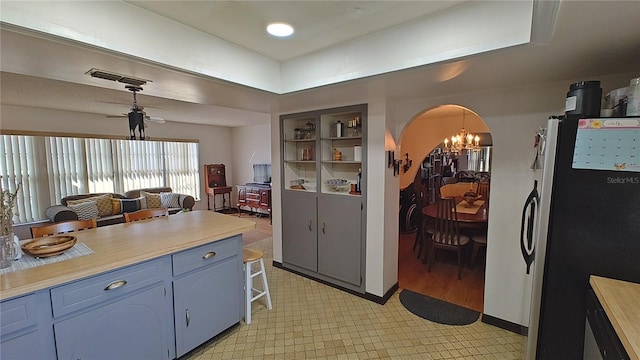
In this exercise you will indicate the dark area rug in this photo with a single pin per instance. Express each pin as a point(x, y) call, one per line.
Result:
point(436, 310)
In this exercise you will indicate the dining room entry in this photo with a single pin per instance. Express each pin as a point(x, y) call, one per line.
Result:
point(442, 170)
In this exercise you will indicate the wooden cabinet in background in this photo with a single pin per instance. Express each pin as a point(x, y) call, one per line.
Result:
point(216, 184)
point(256, 197)
point(215, 176)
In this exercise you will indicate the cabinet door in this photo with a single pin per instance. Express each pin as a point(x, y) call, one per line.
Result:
point(206, 303)
point(134, 327)
point(340, 238)
point(299, 230)
point(26, 331)
point(265, 198)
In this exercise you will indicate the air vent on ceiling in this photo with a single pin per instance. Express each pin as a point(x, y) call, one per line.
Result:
point(108, 75)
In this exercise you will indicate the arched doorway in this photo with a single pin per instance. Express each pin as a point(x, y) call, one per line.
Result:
point(422, 140)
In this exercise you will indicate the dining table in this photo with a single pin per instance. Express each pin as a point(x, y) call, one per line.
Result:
point(478, 214)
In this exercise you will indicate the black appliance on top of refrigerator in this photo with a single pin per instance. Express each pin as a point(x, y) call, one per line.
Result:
point(582, 219)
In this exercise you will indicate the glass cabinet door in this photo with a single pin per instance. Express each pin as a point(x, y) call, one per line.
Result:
point(299, 153)
point(341, 152)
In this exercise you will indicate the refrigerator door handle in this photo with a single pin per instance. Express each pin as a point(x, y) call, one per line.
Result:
point(527, 246)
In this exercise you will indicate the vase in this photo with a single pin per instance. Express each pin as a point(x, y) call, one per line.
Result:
point(8, 251)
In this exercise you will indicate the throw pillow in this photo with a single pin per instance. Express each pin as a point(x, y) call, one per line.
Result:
point(143, 202)
point(102, 201)
point(170, 200)
point(153, 200)
point(85, 210)
point(125, 205)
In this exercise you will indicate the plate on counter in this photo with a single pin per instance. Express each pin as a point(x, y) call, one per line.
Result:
point(49, 245)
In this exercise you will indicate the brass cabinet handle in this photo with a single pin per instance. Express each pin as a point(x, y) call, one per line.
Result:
point(188, 317)
point(208, 255)
point(116, 284)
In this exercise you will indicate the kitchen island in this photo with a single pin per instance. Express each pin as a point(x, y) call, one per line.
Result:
point(619, 300)
point(156, 288)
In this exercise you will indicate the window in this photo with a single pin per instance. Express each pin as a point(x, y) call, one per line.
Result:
point(52, 167)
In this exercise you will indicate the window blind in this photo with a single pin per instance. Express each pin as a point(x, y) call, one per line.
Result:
point(52, 167)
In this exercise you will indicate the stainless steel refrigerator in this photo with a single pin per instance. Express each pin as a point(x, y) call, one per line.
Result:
point(582, 219)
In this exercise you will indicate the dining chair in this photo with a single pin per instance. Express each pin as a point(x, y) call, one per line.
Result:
point(483, 190)
point(447, 234)
point(479, 242)
point(62, 227)
point(456, 190)
point(145, 214)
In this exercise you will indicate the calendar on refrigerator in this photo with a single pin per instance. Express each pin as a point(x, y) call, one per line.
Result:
point(608, 144)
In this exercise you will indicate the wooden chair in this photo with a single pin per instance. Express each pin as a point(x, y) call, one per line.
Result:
point(62, 227)
point(456, 190)
point(483, 190)
point(145, 214)
point(479, 242)
point(447, 234)
point(424, 234)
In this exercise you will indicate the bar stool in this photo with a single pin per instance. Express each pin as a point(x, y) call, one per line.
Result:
point(252, 256)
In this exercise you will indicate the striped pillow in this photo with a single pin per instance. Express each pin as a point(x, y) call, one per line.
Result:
point(103, 202)
point(153, 200)
point(85, 210)
point(126, 205)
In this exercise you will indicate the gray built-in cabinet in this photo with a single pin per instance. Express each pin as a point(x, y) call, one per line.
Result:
point(323, 226)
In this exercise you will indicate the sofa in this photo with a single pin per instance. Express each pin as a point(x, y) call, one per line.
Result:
point(129, 201)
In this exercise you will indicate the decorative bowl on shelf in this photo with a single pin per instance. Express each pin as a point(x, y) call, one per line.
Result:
point(296, 182)
point(49, 245)
point(337, 185)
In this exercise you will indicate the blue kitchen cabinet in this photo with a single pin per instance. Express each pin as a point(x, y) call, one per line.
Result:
point(123, 314)
point(131, 328)
point(207, 290)
point(26, 331)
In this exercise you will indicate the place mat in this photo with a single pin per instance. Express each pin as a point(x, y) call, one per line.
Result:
point(27, 261)
point(463, 209)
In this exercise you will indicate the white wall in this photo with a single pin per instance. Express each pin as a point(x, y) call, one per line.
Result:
point(215, 141)
point(249, 145)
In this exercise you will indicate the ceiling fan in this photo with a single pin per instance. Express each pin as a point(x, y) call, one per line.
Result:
point(137, 116)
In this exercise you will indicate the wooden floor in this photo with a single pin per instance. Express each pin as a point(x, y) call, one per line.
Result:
point(263, 227)
point(441, 283)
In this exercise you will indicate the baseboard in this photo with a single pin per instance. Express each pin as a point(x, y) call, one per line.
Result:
point(504, 324)
point(374, 298)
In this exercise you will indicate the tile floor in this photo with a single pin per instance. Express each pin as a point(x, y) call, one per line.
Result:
point(310, 320)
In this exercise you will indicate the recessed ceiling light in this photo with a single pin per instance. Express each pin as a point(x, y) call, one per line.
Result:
point(280, 29)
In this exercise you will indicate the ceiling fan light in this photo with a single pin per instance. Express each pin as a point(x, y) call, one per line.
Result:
point(280, 29)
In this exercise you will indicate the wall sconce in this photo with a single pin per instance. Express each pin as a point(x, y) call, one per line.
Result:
point(398, 163)
point(392, 162)
point(406, 163)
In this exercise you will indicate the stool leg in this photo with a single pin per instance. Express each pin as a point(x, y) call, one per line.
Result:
point(248, 283)
point(264, 283)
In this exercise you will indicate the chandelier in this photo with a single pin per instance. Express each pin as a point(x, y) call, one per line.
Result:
point(463, 140)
